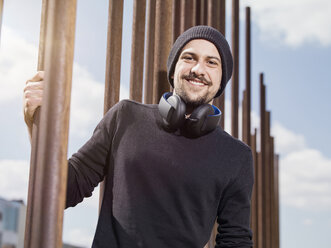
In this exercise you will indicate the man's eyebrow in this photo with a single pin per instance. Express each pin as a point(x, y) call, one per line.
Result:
point(194, 54)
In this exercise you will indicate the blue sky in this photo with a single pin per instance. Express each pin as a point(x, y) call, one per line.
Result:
point(291, 44)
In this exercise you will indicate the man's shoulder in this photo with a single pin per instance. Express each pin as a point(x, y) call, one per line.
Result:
point(232, 143)
point(128, 103)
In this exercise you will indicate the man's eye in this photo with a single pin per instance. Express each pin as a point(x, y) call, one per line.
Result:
point(211, 62)
point(187, 58)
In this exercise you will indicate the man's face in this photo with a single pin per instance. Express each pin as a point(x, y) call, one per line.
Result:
point(198, 72)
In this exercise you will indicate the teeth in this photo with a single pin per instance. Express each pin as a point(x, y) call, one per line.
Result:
point(196, 83)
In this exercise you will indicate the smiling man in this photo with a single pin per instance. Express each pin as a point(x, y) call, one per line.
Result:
point(171, 170)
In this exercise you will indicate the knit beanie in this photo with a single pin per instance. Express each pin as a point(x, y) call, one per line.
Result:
point(209, 34)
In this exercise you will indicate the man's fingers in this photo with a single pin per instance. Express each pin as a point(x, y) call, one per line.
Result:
point(34, 85)
point(38, 77)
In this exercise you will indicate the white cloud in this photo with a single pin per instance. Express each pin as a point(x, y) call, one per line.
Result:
point(305, 180)
point(307, 222)
point(14, 176)
point(293, 22)
point(18, 61)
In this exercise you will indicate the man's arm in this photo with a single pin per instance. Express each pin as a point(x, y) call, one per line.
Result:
point(234, 209)
point(87, 167)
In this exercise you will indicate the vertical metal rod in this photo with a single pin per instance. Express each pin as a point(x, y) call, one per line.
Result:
point(35, 134)
point(213, 16)
point(272, 193)
point(176, 19)
point(247, 108)
point(220, 10)
point(197, 12)
point(187, 16)
point(221, 99)
point(276, 171)
point(113, 62)
point(267, 176)
point(137, 50)
point(263, 156)
point(244, 117)
point(254, 204)
point(259, 189)
point(235, 77)
point(205, 12)
point(163, 38)
point(51, 177)
point(148, 89)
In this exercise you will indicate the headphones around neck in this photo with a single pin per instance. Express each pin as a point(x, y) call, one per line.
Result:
point(203, 119)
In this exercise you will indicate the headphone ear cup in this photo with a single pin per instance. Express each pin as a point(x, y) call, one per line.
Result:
point(172, 110)
point(177, 116)
point(196, 124)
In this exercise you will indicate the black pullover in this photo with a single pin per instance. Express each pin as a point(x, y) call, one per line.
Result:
point(163, 190)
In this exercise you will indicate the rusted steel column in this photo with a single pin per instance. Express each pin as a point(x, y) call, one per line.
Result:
point(1, 10)
point(235, 75)
point(220, 10)
point(244, 118)
point(272, 193)
point(187, 15)
point(35, 134)
point(267, 176)
point(148, 89)
point(247, 106)
point(213, 16)
point(163, 38)
point(176, 19)
point(113, 62)
point(137, 50)
point(113, 57)
point(260, 199)
point(254, 204)
point(202, 16)
point(51, 176)
point(276, 183)
point(263, 157)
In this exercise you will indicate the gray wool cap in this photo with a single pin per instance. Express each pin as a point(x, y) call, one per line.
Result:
point(206, 33)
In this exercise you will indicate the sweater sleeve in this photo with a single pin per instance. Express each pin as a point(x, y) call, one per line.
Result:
point(87, 167)
point(234, 209)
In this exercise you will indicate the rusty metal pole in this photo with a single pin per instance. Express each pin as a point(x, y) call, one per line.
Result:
point(163, 38)
point(259, 195)
point(235, 75)
point(221, 99)
point(35, 134)
point(276, 171)
point(272, 193)
point(176, 19)
point(187, 15)
point(263, 157)
point(247, 105)
point(254, 204)
point(244, 118)
point(267, 177)
point(113, 62)
point(217, 20)
point(148, 82)
point(51, 176)
point(137, 50)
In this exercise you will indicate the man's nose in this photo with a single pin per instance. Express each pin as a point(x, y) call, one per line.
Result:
point(199, 69)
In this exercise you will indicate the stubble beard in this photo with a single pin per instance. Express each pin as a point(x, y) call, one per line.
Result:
point(192, 103)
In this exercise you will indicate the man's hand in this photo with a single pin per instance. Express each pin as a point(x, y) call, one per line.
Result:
point(32, 98)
